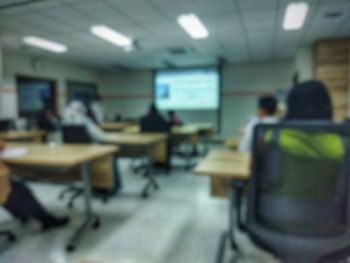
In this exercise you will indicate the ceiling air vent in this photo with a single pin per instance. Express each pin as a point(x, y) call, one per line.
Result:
point(180, 51)
point(334, 14)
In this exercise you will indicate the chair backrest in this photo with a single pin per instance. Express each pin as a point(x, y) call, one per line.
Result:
point(75, 134)
point(6, 125)
point(298, 203)
point(154, 123)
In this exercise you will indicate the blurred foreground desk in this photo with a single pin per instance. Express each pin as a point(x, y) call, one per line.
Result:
point(151, 145)
point(27, 136)
point(229, 171)
point(62, 159)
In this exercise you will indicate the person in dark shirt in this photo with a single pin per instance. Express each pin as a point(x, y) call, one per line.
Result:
point(153, 121)
point(174, 119)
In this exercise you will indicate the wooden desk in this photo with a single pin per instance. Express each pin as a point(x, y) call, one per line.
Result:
point(223, 169)
point(233, 142)
point(134, 128)
point(228, 178)
point(115, 126)
point(228, 155)
point(151, 145)
point(184, 134)
point(205, 130)
point(32, 136)
point(63, 158)
point(222, 166)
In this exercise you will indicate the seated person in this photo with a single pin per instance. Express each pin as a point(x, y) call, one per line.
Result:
point(47, 120)
point(17, 199)
point(76, 114)
point(174, 119)
point(97, 110)
point(153, 121)
point(304, 155)
point(267, 108)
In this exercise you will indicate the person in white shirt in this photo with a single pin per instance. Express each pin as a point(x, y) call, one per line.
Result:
point(267, 109)
point(98, 110)
point(75, 114)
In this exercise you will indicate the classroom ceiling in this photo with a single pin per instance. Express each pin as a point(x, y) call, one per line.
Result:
point(240, 30)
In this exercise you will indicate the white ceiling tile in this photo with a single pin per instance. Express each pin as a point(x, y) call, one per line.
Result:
point(283, 3)
point(139, 11)
point(257, 19)
point(286, 36)
point(286, 50)
point(257, 4)
point(209, 8)
point(172, 9)
point(69, 16)
point(262, 35)
point(101, 12)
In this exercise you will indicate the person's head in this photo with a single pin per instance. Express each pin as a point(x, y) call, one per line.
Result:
point(171, 113)
point(267, 106)
point(309, 100)
point(153, 109)
point(77, 106)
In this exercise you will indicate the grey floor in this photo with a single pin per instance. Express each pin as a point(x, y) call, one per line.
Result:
point(180, 223)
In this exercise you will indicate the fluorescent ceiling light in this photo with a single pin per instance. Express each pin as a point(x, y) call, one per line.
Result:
point(45, 44)
point(193, 26)
point(295, 15)
point(111, 35)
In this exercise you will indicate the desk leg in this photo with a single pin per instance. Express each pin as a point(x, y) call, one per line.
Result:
point(232, 208)
point(91, 220)
point(149, 174)
point(229, 234)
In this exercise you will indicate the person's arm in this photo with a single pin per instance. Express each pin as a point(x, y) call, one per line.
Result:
point(5, 185)
point(97, 133)
point(246, 142)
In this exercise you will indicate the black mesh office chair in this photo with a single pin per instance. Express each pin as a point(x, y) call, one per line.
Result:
point(7, 125)
point(8, 235)
point(157, 124)
point(74, 134)
point(298, 199)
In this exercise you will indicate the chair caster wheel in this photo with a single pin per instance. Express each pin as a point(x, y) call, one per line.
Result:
point(12, 238)
point(144, 195)
point(70, 248)
point(156, 186)
point(96, 224)
point(70, 206)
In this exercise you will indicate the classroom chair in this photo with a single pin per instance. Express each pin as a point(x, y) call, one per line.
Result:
point(156, 125)
point(298, 201)
point(7, 125)
point(78, 134)
point(9, 235)
point(74, 134)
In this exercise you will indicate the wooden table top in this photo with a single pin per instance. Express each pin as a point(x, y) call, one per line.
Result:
point(223, 169)
point(227, 155)
point(60, 156)
point(115, 126)
point(21, 135)
point(134, 128)
point(225, 164)
point(233, 141)
point(184, 130)
point(141, 139)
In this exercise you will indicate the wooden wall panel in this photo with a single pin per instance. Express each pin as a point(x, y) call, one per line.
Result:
point(331, 66)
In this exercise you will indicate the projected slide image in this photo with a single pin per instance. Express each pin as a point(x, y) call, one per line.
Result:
point(163, 92)
point(187, 89)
